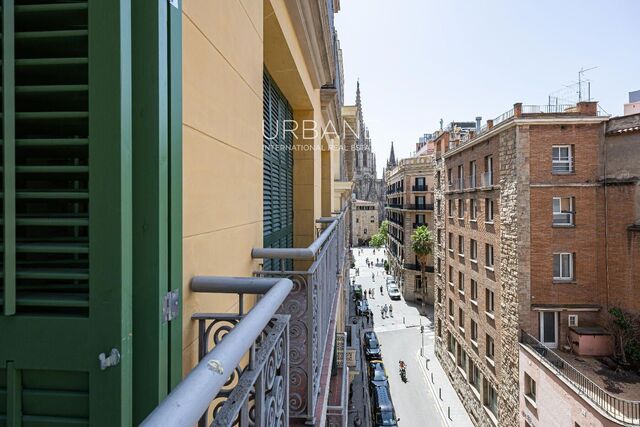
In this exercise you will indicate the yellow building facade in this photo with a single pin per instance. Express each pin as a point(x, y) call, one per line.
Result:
point(228, 49)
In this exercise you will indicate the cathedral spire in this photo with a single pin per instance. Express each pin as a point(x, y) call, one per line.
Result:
point(392, 158)
point(358, 99)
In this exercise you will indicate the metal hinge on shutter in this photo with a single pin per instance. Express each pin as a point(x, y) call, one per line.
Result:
point(171, 305)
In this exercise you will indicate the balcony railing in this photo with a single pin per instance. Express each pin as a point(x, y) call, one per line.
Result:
point(624, 411)
point(420, 188)
point(394, 205)
point(312, 306)
point(549, 109)
point(418, 224)
point(260, 392)
point(419, 206)
point(416, 267)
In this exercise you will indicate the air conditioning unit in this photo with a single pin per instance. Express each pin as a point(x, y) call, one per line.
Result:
point(573, 320)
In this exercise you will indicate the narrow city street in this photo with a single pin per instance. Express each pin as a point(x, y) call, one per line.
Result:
point(399, 337)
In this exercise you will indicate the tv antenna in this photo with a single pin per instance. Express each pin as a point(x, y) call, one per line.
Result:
point(580, 78)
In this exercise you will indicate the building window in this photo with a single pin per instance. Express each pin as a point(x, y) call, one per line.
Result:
point(439, 207)
point(461, 245)
point(450, 213)
point(473, 250)
point(529, 387)
point(563, 266)
point(439, 236)
point(473, 209)
point(357, 220)
point(490, 398)
point(418, 281)
point(474, 332)
point(451, 308)
point(487, 178)
point(462, 359)
point(439, 328)
point(438, 180)
point(488, 210)
point(461, 282)
point(474, 290)
point(450, 242)
point(461, 206)
point(451, 345)
point(474, 375)
point(439, 296)
point(472, 176)
point(562, 159)
point(365, 231)
point(488, 259)
point(461, 319)
point(563, 211)
point(489, 301)
point(439, 265)
point(460, 177)
point(449, 179)
point(490, 347)
point(451, 275)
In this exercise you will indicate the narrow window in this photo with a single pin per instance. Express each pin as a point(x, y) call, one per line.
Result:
point(562, 159)
point(563, 266)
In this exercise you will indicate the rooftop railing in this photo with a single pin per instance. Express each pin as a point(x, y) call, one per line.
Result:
point(260, 388)
point(624, 411)
point(312, 306)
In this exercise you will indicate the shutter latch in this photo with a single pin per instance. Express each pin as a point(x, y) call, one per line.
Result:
point(171, 305)
point(112, 360)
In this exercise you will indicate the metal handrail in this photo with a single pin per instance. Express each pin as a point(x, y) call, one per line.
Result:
point(626, 411)
point(307, 253)
point(193, 395)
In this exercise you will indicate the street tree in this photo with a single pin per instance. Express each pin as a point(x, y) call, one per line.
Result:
point(422, 245)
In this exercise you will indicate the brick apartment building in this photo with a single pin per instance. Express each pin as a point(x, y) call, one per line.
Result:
point(410, 205)
point(523, 231)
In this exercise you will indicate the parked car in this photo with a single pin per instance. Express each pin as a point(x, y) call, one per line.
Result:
point(371, 346)
point(377, 374)
point(362, 309)
point(390, 280)
point(394, 293)
point(383, 412)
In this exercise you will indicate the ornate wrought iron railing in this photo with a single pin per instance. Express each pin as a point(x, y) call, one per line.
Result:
point(624, 411)
point(251, 394)
point(312, 306)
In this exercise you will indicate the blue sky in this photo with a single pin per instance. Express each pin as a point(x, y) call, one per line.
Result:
point(422, 60)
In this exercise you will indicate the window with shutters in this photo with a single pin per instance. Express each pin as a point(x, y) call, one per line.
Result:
point(277, 173)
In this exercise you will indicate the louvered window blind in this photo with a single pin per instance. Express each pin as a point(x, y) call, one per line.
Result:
point(277, 173)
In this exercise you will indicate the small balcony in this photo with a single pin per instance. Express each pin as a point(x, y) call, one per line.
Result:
point(420, 188)
point(416, 267)
point(394, 205)
point(272, 365)
point(419, 206)
point(418, 224)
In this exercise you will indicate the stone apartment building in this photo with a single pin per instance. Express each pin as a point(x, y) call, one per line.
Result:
point(409, 187)
point(520, 246)
point(364, 221)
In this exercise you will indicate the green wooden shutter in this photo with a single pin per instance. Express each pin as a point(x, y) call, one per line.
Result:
point(277, 172)
point(66, 154)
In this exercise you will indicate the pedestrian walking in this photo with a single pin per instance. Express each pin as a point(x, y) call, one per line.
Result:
point(390, 310)
point(382, 312)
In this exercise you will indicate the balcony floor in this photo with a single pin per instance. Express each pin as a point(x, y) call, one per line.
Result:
point(622, 384)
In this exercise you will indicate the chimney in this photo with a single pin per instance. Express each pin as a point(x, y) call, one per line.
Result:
point(478, 124)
